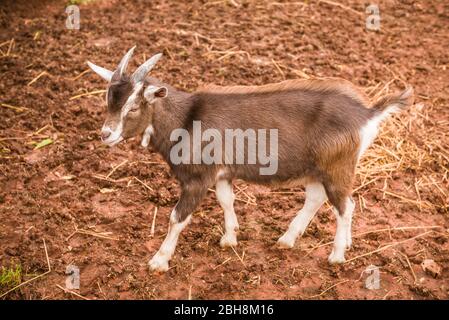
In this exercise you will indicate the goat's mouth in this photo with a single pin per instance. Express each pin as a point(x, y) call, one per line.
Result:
point(112, 143)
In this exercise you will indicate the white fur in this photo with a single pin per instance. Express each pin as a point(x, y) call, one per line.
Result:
point(226, 198)
point(147, 136)
point(160, 260)
point(221, 173)
point(132, 100)
point(342, 240)
point(315, 197)
point(115, 135)
point(369, 131)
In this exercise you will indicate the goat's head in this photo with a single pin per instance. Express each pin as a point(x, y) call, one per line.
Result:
point(129, 99)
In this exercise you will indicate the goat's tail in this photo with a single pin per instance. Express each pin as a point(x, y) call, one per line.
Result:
point(392, 103)
point(380, 110)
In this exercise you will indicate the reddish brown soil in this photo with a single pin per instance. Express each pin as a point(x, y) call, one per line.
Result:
point(47, 193)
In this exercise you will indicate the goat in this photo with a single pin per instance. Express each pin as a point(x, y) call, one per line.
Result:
point(323, 127)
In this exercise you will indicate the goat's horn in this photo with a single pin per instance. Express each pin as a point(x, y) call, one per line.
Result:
point(121, 69)
point(142, 71)
point(102, 72)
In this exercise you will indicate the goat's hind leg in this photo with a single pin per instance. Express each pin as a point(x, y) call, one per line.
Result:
point(349, 229)
point(226, 198)
point(315, 197)
point(343, 209)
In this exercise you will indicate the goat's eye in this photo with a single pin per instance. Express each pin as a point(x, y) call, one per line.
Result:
point(134, 110)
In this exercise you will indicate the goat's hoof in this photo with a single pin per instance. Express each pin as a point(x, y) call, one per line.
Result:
point(286, 242)
point(348, 243)
point(158, 264)
point(336, 259)
point(228, 240)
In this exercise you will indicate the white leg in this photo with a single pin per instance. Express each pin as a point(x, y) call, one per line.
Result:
point(226, 197)
point(159, 262)
point(341, 235)
point(349, 231)
point(315, 197)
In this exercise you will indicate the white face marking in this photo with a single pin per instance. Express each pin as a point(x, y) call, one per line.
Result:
point(132, 100)
point(315, 197)
point(116, 135)
point(149, 93)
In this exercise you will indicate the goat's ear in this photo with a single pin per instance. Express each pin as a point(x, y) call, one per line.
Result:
point(102, 72)
point(152, 93)
point(142, 71)
point(161, 92)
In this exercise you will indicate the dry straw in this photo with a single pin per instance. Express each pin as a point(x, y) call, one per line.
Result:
point(423, 163)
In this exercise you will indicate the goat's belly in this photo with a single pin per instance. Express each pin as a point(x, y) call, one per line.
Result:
point(275, 181)
point(291, 183)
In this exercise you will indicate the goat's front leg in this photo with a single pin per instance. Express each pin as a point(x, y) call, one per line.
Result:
point(226, 198)
point(191, 196)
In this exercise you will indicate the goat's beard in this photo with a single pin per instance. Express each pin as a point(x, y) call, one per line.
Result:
point(115, 142)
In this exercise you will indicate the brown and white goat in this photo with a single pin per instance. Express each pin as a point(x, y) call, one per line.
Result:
point(323, 127)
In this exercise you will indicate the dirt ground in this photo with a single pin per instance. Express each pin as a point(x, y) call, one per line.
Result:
point(94, 205)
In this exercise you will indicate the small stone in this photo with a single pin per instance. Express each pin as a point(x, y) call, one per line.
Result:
point(431, 268)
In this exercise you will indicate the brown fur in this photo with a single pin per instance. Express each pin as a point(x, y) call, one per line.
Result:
point(318, 125)
point(117, 94)
point(328, 84)
point(400, 100)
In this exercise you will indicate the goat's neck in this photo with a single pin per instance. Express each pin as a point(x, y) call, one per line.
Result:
point(169, 114)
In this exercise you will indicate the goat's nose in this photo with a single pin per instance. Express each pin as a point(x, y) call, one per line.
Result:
point(105, 134)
